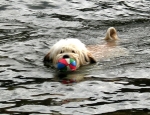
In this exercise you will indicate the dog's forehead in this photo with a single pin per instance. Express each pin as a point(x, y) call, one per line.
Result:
point(68, 45)
point(69, 42)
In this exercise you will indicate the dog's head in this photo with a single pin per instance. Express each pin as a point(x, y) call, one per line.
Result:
point(69, 48)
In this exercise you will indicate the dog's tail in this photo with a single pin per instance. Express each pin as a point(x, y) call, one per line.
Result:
point(111, 34)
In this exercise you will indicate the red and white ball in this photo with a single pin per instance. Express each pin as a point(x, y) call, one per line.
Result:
point(66, 64)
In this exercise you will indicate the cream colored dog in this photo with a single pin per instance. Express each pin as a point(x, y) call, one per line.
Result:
point(74, 48)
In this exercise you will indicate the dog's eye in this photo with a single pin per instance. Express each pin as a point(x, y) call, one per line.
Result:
point(73, 51)
point(61, 52)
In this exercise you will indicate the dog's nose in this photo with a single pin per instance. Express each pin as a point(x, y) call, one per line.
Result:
point(66, 56)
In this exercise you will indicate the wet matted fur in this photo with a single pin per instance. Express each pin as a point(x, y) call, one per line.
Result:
point(82, 54)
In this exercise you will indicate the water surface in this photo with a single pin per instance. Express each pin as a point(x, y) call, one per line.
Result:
point(113, 86)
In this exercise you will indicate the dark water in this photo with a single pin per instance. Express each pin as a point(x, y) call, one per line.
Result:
point(115, 86)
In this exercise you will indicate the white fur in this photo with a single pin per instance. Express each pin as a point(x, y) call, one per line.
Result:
point(75, 49)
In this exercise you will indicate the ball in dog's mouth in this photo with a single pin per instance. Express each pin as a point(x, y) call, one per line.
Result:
point(66, 64)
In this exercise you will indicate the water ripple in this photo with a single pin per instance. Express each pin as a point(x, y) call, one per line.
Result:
point(28, 28)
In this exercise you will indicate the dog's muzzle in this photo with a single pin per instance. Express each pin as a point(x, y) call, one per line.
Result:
point(66, 56)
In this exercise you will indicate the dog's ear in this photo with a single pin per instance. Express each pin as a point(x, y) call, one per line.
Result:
point(91, 58)
point(111, 34)
point(47, 58)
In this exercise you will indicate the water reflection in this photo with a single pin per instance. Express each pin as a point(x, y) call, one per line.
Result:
point(69, 78)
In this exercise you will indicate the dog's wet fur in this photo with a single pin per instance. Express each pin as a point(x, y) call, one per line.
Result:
point(83, 55)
